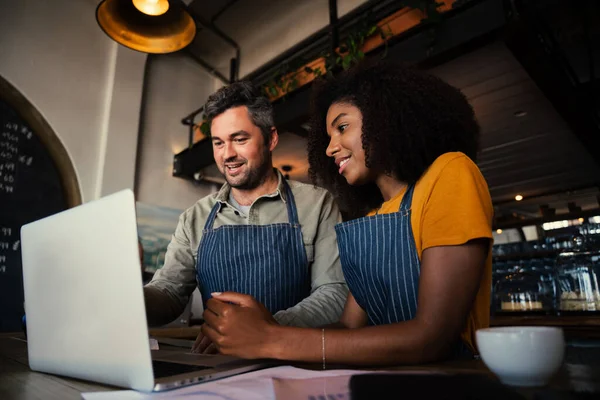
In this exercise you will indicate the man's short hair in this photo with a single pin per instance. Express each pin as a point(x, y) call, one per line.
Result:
point(242, 93)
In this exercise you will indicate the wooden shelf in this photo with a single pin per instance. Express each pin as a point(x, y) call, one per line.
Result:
point(575, 327)
point(546, 320)
point(528, 255)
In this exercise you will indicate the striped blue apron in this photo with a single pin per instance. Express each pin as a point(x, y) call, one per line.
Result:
point(382, 267)
point(380, 263)
point(266, 261)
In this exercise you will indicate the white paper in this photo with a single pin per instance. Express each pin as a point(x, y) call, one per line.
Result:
point(249, 386)
point(325, 387)
point(275, 383)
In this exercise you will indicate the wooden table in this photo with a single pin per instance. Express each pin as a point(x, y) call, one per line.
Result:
point(17, 381)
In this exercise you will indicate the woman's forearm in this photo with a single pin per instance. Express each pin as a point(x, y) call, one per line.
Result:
point(401, 343)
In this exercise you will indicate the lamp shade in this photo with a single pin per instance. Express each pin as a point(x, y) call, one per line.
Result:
point(157, 34)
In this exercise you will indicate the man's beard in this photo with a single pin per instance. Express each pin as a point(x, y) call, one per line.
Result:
point(253, 177)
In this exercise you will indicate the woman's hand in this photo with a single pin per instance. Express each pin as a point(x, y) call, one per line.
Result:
point(239, 325)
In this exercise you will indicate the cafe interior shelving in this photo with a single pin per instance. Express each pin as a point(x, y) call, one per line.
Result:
point(551, 279)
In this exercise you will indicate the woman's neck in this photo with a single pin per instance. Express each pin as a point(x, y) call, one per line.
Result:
point(389, 186)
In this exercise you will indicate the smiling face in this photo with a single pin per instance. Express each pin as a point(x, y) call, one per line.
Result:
point(239, 148)
point(344, 127)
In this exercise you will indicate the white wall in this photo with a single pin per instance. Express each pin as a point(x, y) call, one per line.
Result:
point(119, 144)
point(175, 86)
point(86, 86)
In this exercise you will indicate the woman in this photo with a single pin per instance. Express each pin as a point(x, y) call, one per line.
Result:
point(397, 145)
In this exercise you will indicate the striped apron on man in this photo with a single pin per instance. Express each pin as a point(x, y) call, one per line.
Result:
point(265, 261)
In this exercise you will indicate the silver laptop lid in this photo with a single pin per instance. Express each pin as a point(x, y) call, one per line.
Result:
point(83, 294)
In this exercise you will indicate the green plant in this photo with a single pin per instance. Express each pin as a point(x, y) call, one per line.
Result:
point(349, 53)
point(204, 127)
point(285, 79)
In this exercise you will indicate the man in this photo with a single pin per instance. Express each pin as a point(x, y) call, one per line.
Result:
point(260, 235)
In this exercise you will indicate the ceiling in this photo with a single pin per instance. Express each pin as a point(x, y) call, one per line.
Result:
point(531, 154)
point(527, 148)
point(207, 45)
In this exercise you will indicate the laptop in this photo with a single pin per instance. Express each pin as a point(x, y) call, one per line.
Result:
point(85, 307)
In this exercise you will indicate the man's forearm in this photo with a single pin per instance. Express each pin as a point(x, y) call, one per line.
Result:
point(324, 306)
point(161, 308)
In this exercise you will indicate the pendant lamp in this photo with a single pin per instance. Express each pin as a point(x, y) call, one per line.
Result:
point(149, 26)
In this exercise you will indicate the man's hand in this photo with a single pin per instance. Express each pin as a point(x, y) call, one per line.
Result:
point(203, 345)
point(238, 325)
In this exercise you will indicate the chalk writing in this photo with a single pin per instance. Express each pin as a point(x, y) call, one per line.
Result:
point(6, 188)
point(7, 166)
point(7, 232)
point(26, 132)
point(23, 130)
point(12, 126)
point(27, 160)
point(6, 177)
point(9, 147)
point(11, 137)
point(26, 171)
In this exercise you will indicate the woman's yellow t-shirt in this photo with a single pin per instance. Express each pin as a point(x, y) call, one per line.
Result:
point(451, 205)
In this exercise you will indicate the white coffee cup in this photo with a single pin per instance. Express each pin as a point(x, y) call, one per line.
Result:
point(522, 355)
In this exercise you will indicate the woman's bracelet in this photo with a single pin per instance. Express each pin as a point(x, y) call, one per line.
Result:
point(323, 345)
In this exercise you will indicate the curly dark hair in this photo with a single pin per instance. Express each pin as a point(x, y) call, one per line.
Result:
point(409, 118)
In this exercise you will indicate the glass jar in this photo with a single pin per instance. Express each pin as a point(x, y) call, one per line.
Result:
point(549, 277)
point(578, 273)
point(524, 290)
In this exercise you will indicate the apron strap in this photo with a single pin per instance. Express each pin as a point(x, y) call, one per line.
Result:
point(291, 209)
point(407, 199)
point(211, 217)
point(291, 204)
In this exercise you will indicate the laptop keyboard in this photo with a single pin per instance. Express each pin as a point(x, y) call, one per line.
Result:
point(164, 369)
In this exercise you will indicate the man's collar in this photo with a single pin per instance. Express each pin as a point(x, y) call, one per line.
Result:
point(223, 193)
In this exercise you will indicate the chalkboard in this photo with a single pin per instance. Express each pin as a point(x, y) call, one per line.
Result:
point(32, 186)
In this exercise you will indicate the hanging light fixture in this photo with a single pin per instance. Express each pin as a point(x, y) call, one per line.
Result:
point(149, 26)
point(152, 7)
